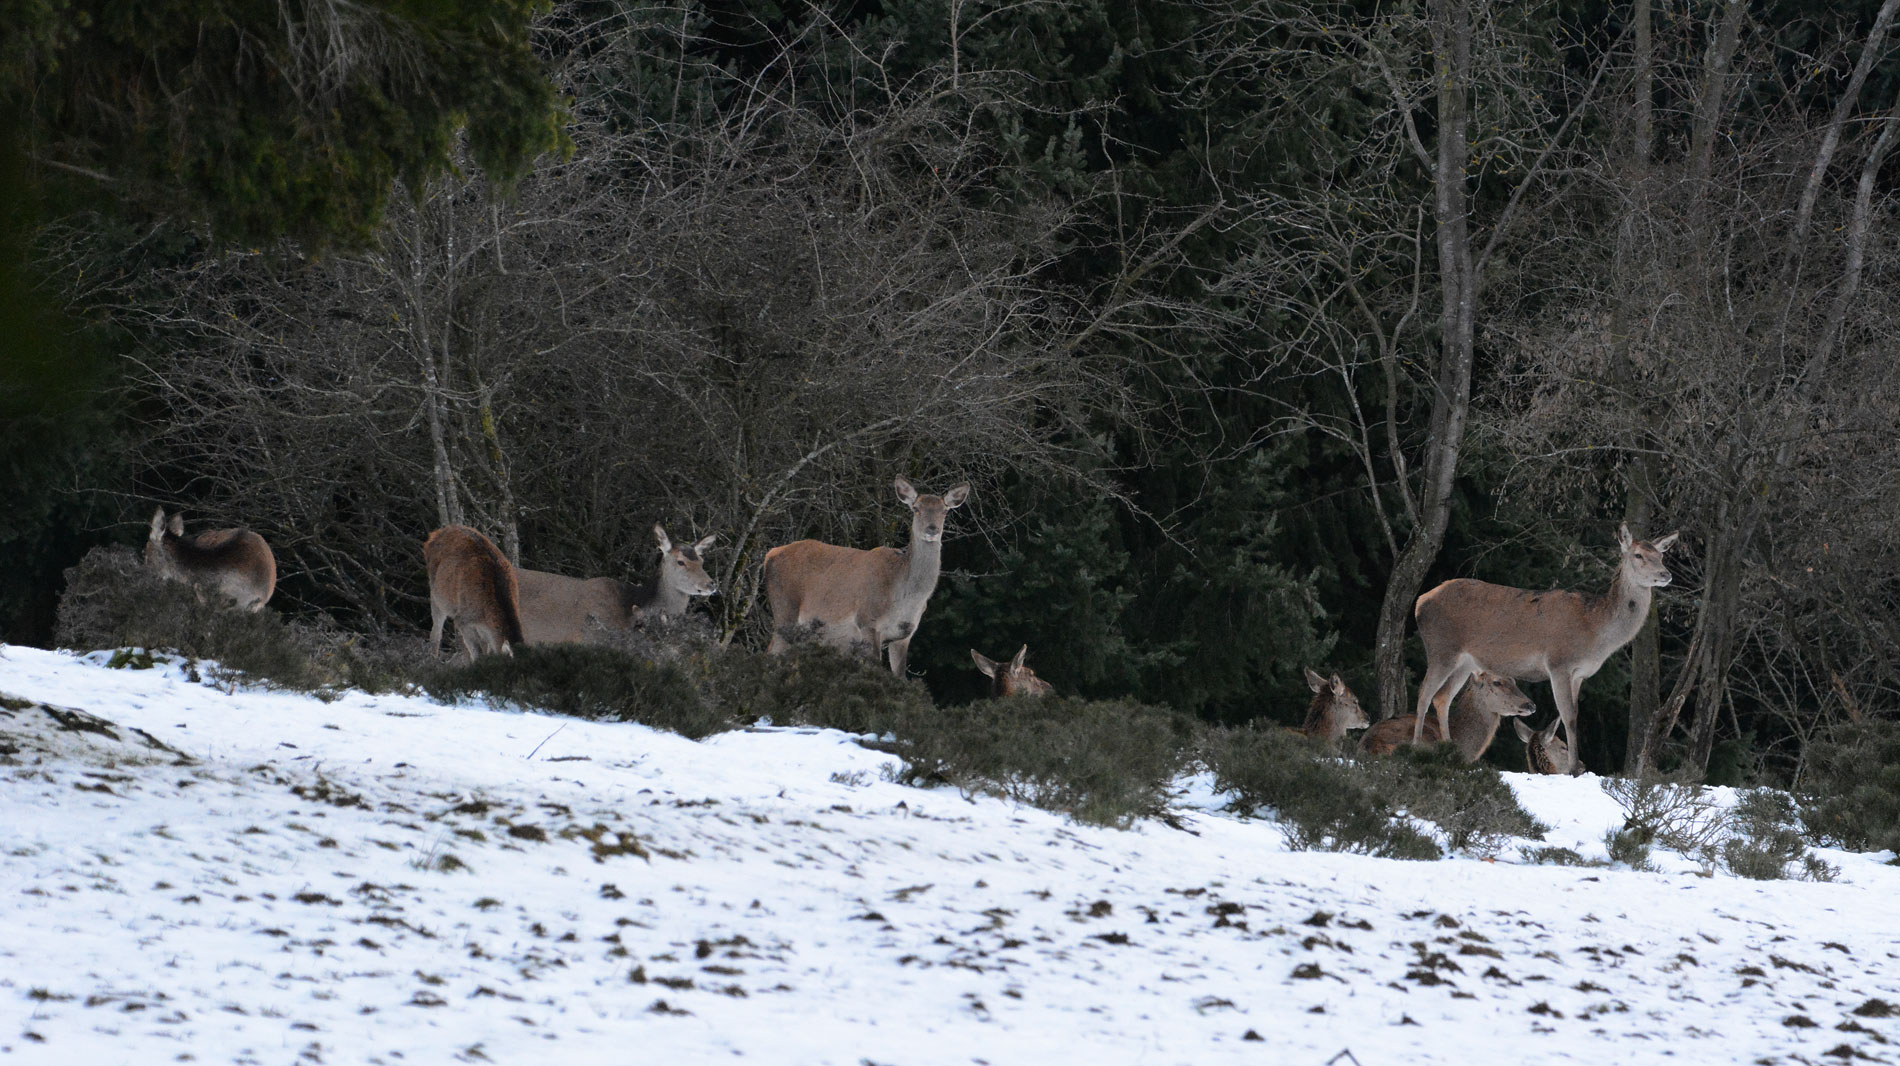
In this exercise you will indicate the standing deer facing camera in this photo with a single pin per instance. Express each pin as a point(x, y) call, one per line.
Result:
point(556, 609)
point(1480, 708)
point(1467, 626)
point(1334, 709)
point(858, 598)
point(1011, 678)
point(472, 582)
point(235, 562)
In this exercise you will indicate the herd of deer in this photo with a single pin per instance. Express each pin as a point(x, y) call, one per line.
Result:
point(1479, 638)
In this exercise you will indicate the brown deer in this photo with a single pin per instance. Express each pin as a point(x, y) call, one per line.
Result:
point(1011, 678)
point(1543, 752)
point(556, 609)
point(472, 582)
point(1467, 626)
point(235, 562)
point(856, 598)
point(1334, 709)
point(1486, 701)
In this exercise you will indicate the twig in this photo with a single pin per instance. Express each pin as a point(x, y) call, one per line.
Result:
point(547, 738)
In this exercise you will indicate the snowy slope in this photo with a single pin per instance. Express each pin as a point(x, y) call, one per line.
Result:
point(259, 877)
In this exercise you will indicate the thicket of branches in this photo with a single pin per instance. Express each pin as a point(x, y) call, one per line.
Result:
point(1249, 320)
point(745, 323)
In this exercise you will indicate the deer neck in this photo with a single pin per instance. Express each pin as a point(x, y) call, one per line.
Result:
point(1320, 716)
point(1472, 730)
point(1621, 612)
point(923, 561)
point(668, 599)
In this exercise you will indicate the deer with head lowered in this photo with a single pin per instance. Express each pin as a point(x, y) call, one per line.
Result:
point(235, 562)
point(1563, 637)
point(855, 598)
point(1480, 708)
point(1543, 752)
point(1012, 678)
point(472, 583)
point(1333, 711)
point(557, 609)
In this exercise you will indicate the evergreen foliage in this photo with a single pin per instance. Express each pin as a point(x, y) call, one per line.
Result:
point(263, 120)
point(1850, 794)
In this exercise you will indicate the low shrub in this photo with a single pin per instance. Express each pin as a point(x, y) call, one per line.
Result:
point(113, 601)
point(1470, 802)
point(1680, 817)
point(1105, 762)
point(586, 681)
point(1323, 803)
point(809, 684)
point(1758, 837)
point(1765, 839)
point(1555, 856)
point(1850, 790)
point(1629, 845)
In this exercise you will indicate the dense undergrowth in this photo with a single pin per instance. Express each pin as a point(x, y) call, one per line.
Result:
point(1105, 762)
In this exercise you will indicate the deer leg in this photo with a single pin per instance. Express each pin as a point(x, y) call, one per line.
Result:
point(1443, 680)
point(1441, 702)
point(1435, 675)
point(435, 632)
point(900, 655)
point(1564, 690)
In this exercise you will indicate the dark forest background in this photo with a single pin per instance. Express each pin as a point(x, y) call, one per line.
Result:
point(1247, 321)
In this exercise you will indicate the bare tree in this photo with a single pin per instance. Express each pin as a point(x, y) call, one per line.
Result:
point(745, 322)
point(1737, 370)
point(1353, 265)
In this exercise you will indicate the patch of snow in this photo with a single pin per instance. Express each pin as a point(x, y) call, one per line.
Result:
point(255, 876)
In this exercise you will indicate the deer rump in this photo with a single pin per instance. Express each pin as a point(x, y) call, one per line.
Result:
point(235, 562)
point(846, 594)
point(474, 584)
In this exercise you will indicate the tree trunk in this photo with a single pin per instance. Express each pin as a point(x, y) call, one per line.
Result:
point(1451, 401)
point(1645, 650)
point(1645, 694)
point(1756, 481)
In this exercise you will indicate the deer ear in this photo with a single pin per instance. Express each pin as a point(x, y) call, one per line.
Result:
point(705, 542)
point(905, 492)
point(1623, 538)
point(1667, 542)
point(659, 534)
point(177, 523)
point(1339, 686)
point(955, 497)
point(1017, 662)
point(158, 523)
point(1313, 680)
point(987, 666)
point(1523, 731)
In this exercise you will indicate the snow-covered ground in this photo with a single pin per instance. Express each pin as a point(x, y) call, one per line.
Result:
point(255, 877)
